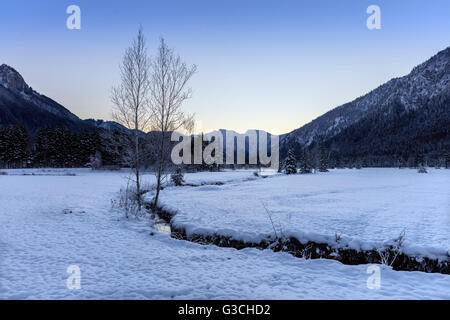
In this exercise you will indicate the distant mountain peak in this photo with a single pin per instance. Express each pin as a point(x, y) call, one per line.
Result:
point(11, 79)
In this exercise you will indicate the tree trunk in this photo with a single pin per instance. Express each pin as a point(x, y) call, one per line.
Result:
point(158, 187)
point(160, 169)
point(138, 184)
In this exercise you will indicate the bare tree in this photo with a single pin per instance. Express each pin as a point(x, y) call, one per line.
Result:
point(168, 91)
point(131, 99)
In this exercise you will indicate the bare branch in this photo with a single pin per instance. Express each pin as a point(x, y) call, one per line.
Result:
point(168, 90)
point(131, 97)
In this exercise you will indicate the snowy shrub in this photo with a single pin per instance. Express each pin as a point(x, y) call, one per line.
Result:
point(128, 201)
point(177, 177)
point(279, 234)
point(390, 253)
point(95, 161)
point(269, 214)
point(305, 253)
point(384, 256)
point(3, 173)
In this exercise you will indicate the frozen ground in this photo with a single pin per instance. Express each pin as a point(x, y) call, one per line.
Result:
point(48, 222)
point(367, 207)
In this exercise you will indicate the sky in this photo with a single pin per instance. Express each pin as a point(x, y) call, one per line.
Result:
point(262, 64)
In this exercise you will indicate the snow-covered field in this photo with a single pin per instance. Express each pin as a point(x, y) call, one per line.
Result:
point(53, 219)
point(366, 207)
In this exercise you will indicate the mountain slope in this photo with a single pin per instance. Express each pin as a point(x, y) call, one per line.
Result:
point(20, 104)
point(398, 118)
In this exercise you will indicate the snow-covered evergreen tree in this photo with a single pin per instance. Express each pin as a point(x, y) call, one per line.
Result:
point(177, 177)
point(290, 163)
point(304, 164)
point(323, 160)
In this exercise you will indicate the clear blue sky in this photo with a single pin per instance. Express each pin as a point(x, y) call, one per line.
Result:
point(272, 65)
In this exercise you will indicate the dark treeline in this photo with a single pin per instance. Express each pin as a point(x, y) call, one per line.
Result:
point(320, 158)
point(97, 148)
point(61, 147)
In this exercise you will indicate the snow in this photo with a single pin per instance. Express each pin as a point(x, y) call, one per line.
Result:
point(366, 207)
point(52, 219)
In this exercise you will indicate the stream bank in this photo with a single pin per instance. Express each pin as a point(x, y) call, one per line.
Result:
point(310, 250)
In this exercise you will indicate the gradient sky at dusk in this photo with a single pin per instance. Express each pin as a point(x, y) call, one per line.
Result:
point(272, 65)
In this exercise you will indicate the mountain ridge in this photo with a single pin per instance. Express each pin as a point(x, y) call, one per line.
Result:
point(402, 116)
point(399, 97)
point(20, 104)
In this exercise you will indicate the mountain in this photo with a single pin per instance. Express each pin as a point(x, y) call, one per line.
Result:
point(396, 121)
point(109, 126)
point(20, 104)
point(401, 117)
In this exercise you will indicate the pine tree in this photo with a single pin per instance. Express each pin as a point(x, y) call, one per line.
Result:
point(20, 146)
point(3, 147)
point(110, 148)
point(177, 177)
point(304, 165)
point(290, 163)
point(42, 147)
point(92, 147)
point(447, 159)
point(7, 146)
point(323, 160)
point(411, 163)
point(419, 159)
point(14, 142)
point(338, 163)
point(358, 164)
point(86, 148)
